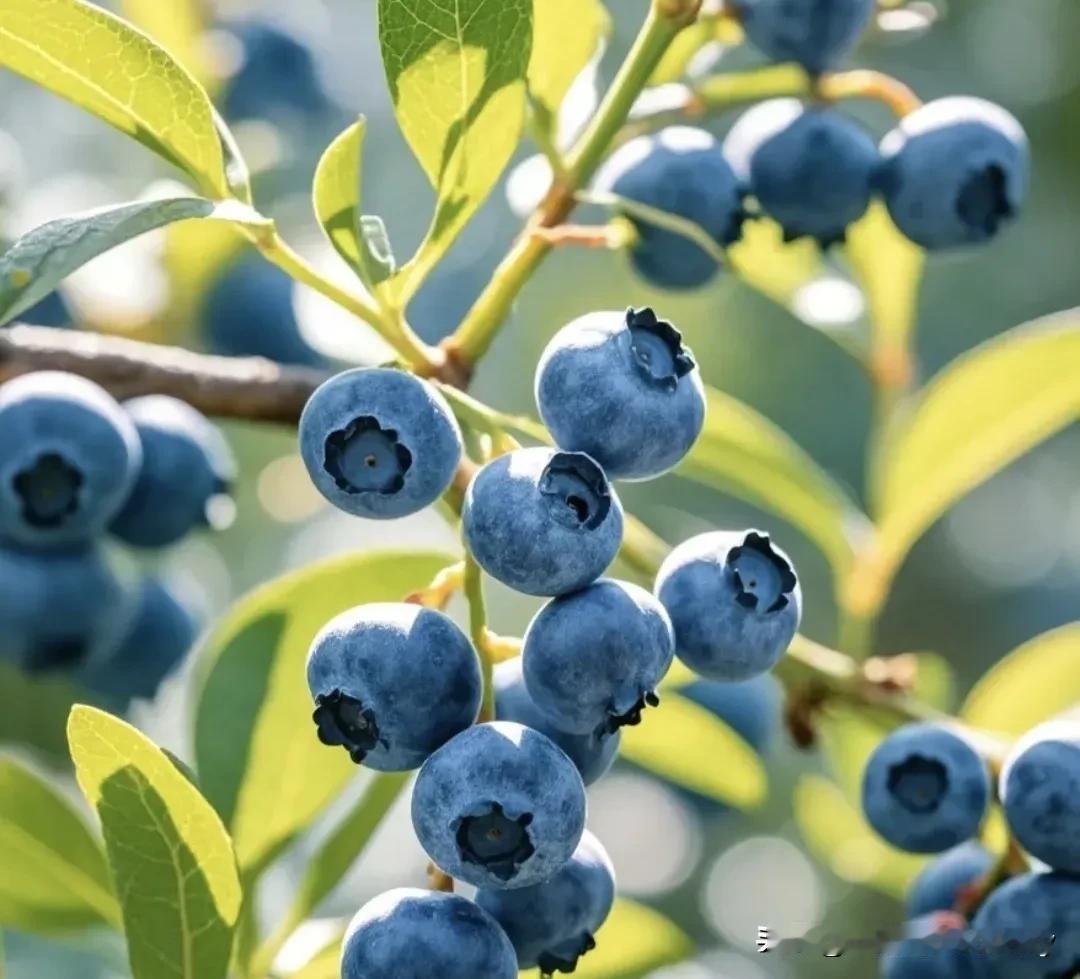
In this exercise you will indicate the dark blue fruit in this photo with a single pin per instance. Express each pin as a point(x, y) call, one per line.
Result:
point(942, 884)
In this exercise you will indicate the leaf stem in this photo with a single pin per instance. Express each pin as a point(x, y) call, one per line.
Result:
point(474, 593)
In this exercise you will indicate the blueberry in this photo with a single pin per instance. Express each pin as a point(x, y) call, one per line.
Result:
point(541, 521)
point(1027, 918)
point(592, 660)
point(68, 458)
point(751, 708)
point(954, 171)
point(934, 947)
point(248, 312)
point(679, 170)
point(277, 76)
point(925, 789)
point(58, 607)
point(160, 635)
point(942, 884)
point(379, 443)
point(810, 169)
point(734, 601)
point(499, 806)
point(552, 924)
point(391, 683)
point(186, 466)
point(818, 34)
point(1040, 792)
point(408, 933)
point(623, 388)
point(52, 310)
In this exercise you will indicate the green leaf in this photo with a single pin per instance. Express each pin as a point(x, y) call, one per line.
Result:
point(41, 258)
point(34, 711)
point(171, 859)
point(456, 70)
point(325, 963)
point(257, 756)
point(1032, 684)
point(55, 878)
point(104, 65)
point(775, 268)
point(690, 747)
point(980, 413)
point(634, 941)
point(179, 26)
point(742, 453)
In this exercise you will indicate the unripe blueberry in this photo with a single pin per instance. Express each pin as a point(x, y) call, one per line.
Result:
point(623, 388)
point(541, 521)
point(925, 789)
point(391, 683)
point(942, 884)
point(592, 660)
point(954, 171)
point(935, 947)
point(379, 443)
point(552, 924)
point(734, 600)
point(68, 459)
point(1040, 792)
point(499, 806)
point(810, 169)
point(408, 933)
point(186, 466)
point(818, 34)
point(592, 753)
point(681, 171)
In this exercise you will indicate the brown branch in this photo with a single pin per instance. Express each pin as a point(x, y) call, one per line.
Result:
point(223, 387)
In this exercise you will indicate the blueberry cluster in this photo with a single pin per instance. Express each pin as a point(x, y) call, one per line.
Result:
point(501, 805)
point(76, 466)
point(951, 173)
point(927, 789)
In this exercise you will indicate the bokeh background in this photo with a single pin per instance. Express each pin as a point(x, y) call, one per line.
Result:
point(1001, 567)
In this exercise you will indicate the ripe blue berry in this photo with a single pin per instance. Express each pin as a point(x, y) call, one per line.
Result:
point(52, 311)
point(591, 753)
point(810, 169)
point(925, 789)
point(541, 521)
point(954, 171)
point(681, 171)
point(935, 947)
point(751, 708)
point(734, 601)
point(818, 34)
point(499, 806)
point(1029, 917)
point(592, 660)
point(1040, 791)
point(68, 458)
point(391, 683)
point(160, 635)
point(941, 885)
point(551, 925)
point(249, 312)
point(408, 933)
point(186, 466)
point(379, 443)
point(623, 388)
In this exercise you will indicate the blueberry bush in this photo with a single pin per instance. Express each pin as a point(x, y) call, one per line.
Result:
point(669, 658)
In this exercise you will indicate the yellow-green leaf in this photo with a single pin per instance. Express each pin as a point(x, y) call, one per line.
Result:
point(690, 747)
point(179, 26)
point(324, 964)
point(1030, 685)
point(456, 70)
point(171, 858)
point(55, 878)
point(979, 414)
point(104, 65)
point(773, 267)
point(257, 755)
point(743, 453)
point(566, 36)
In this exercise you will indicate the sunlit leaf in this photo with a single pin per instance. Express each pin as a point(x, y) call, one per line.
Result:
point(773, 267)
point(179, 26)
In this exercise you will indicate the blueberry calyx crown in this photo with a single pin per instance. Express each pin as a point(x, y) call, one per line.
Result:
point(364, 457)
point(495, 841)
point(760, 574)
point(552, 962)
point(49, 490)
point(657, 348)
point(628, 718)
point(918, 783)
point(983, 203)
point(343, 720)
point(577, 489)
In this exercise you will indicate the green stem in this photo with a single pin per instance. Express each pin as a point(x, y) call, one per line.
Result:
point(474, 593)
